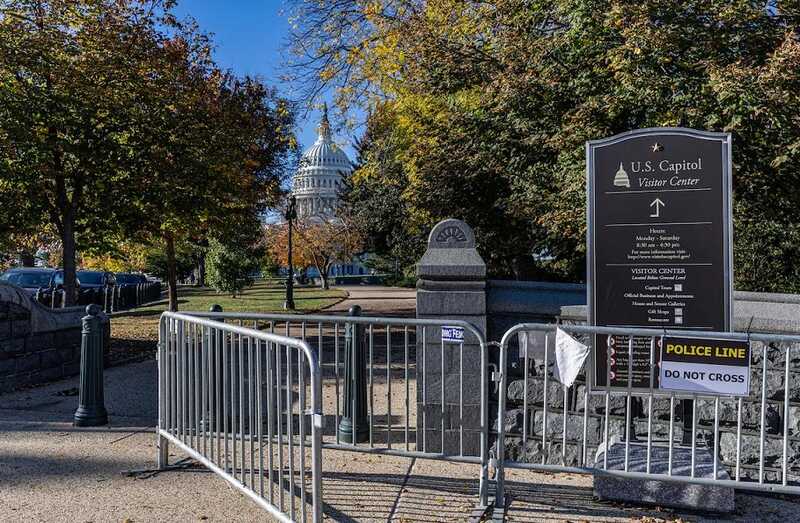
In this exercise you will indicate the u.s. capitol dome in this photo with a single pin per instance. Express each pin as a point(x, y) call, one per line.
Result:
point(319, 178)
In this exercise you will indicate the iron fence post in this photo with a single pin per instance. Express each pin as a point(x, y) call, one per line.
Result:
point(91, 410)
point(215, 373)
point(354, 411)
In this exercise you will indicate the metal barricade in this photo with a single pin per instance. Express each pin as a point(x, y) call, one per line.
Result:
point(575, 429)
point(396, 388)
point(235, 399)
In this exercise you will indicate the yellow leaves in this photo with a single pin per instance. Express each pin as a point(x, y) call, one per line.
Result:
point(373, 10)
point(327, 74)
point(131, 257)
point(671, 121)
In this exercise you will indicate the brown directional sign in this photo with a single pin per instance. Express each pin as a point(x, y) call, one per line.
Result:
point(659, 241)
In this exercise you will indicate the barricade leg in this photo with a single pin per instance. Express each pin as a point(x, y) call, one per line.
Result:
point(162, 445)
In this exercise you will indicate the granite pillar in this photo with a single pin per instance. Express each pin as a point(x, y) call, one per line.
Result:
point(451, 284)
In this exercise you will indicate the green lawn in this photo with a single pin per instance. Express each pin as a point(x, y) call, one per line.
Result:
point(264, 296)
point(134, 333)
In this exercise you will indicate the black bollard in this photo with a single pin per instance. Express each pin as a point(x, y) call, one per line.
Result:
point(91, 410)
point(216, 308)
point(687, 418)
point(355, 385)
point(213, 376)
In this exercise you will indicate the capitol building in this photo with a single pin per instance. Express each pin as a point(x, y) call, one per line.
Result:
point(316, 185)
point(319, 178)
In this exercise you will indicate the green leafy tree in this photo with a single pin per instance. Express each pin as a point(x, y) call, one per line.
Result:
point(215, 156)
point(375, 198)
point(230, 268)
point(69, 72)
point(156, 263)
point(117, 126)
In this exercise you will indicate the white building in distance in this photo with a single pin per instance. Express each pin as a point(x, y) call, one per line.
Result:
point(319, 178)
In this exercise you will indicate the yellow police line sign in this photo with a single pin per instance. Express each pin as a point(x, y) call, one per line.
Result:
point(705, 365)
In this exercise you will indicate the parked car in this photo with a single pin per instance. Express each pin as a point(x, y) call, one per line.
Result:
point(128, 278)
point(93, 283)
point(29, 278)
point(96, 279)
point(34, 279)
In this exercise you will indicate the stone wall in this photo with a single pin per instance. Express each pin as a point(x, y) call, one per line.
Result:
point(511, 302)
point(761, 312)
point(37, 344)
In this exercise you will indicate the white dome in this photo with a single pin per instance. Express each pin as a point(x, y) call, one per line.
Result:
point(325, 153)
point(317, 182)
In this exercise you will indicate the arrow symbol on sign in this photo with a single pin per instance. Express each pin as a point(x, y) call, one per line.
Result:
point(657, 202)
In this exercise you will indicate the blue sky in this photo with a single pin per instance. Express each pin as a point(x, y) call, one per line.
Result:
point(249, 37)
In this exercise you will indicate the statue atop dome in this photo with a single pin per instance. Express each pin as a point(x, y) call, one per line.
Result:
point(324, 127)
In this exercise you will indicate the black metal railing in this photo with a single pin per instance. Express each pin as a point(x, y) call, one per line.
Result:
point(111, 298)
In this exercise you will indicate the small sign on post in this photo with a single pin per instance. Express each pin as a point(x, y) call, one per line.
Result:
point(709, 366)
point(452, 334)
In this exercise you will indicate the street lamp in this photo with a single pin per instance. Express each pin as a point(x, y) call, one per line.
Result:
point(291, 215)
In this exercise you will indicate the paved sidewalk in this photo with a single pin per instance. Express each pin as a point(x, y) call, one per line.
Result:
point(377, 301)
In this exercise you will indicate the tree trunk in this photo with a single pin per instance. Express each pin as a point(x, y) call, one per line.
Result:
point(323, 274)
point(68, 261)
point(172, 273)
point(201, 271)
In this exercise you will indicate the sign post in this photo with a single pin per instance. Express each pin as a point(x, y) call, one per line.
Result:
point(659, 241)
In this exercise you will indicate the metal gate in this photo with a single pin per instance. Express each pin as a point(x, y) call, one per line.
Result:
point(234, 399)
point(213, 362)
point(754, 441)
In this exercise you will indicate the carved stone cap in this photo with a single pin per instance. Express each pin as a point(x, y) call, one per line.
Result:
point(451, 234)
point(451, 254)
